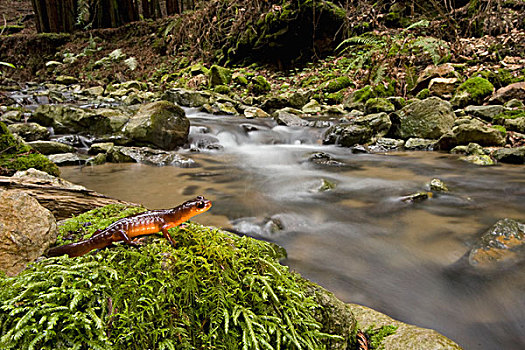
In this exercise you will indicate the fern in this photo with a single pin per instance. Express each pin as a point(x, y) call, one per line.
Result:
point(434, 47)
point(362, 40)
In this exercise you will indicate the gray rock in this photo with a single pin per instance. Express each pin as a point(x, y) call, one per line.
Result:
point(187, 98)
point(378, 105)
point(289, 117)
point(102, 147)
point(472, 131)
point(51, 147)
point(406, 337)
point(388, 144)
point(418, 144)
point(442, 87)
point(146, 155)
point(517, 124)
point(312, 107)
point(479, 159)
point(428, 119)
point(161, 124)
point(510, 155)
point(485, 112)
point(255, 112)
point(361, 130)
point(29, 131)
point(501, 246)
point(64, 159)
point(27, 229)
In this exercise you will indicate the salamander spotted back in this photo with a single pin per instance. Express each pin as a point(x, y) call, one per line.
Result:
point(127, 228)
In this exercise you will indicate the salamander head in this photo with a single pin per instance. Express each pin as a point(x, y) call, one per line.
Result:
point(197, 205)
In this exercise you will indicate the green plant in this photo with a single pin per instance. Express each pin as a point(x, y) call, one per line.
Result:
point(214, 290)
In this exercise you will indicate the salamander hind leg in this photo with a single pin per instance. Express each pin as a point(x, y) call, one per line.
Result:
point(128, 240)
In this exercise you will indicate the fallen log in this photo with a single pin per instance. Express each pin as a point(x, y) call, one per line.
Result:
point(61, 197)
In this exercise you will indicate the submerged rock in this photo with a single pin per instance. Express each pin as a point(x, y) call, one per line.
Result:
point(146, 155)
point(26, 230)
point(501, 246)
point(438, 185)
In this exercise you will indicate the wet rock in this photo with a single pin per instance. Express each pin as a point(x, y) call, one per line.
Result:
point(437, 185)
point(509, 92)
point(472, 92)
point(442, 87)
point(324, 186)
point(102, 147)
point(201, 142)
point(428, 119)
point(406, 337)
point(389, 144)
point(11, 117)
point(64, 159)
point(187, 98)
point(29, 131)
point(378, 105)
point(416, 197)
point(255, 112)
point(66, 80)
point(77, 141)
point(27, 229)
point(361, 130)
point(219, 108)
point(500, 247)
point(323, 158)
point(471, 131)
point(161, 124)
point(510, 155)
point(312, 107)
point(417, 144)
point(146, 155)
point(51, 147)
point(486, 113)
point(289, 117)
point(479, 159)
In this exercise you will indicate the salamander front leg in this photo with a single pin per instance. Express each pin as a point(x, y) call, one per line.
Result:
point(167, 236)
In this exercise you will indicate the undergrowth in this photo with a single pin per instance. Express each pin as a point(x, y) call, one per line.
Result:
point(214, 291)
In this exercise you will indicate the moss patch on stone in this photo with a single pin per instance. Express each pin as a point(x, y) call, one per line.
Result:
point(213, 290)
point(15, 155)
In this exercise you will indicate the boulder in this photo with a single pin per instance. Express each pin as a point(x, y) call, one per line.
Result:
point(14, 116)
point(500, 247)
point(289, 117)
point(406, 336)
point(486, 113)
point(27, 229)
point(63, 159)
point(417, 144)
point(472, 131)
point(510, 155)
point(509, 92)
point(442, 71)
point(312, 107)
point(187, 98)
point(361, 130)
point(30, 131)
point(428, 119)
point(259, 85)
point(51, 147)
point(517, 124)
point(378, 105)
point(218, 75)
point(255, 112)
point(162, 124)
point(472, 92)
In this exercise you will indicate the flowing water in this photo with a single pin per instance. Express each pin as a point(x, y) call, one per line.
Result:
point(359, 239)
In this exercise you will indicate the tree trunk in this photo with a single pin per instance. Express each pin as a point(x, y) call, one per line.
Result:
point(62, 198)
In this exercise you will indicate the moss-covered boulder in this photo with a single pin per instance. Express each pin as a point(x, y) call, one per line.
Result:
point(427, 119)
point(218, 75)
point(471, 131)
point(259, 85)
point(29, 131)
point(472, 92)
point(337, 84)
point(213, 290)
point(16, 155)
point(187, 98)
point(362, 130)
point(378, 105)
point(162, 124)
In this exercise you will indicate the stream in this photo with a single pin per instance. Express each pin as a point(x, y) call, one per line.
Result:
point(360, 240)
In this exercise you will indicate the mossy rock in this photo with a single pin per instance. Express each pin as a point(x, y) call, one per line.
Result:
point(472, 92)
point(16, 155)
point(337, 84)
point(213, 290)
point(218, 75)
point(222, 89)
point(259, 85)
point(378, 105)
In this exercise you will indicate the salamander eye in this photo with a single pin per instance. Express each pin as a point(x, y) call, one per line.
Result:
point(201, 205)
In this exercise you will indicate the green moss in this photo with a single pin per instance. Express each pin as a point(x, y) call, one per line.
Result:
point(512, 114)
point(337, 84)
point(214, 290)
point(423, 94)
point(477, 88)
point(259, 85)
point(500, 128)
point(363, 94)
point(219, 76)
point(222, 89)
point(16, 155)
point(376, 336)
point(334, 97)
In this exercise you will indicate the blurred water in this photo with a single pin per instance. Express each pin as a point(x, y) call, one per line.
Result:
point(360, 240)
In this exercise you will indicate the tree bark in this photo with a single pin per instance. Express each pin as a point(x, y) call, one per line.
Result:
point(62, 198)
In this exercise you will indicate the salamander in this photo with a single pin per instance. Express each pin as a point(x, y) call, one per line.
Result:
point(145, 223)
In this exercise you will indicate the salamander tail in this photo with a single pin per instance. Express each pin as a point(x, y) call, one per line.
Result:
point(73, 249)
